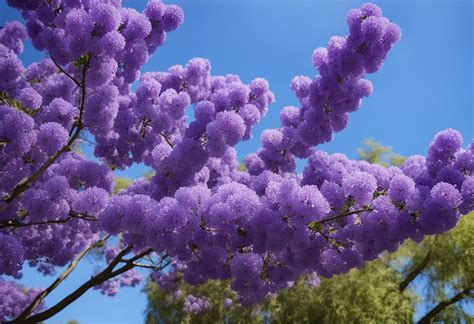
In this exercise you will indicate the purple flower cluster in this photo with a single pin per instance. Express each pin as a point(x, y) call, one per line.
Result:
point(69, 190)
point(117, 40)
point(268, 229)
point(261, 228)
point(327, 100)
point(168, 279)
point(150, 126)
point(195, 305)
point(14, 298)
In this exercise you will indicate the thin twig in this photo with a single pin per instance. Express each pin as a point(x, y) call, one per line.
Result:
point(65, 72)
point(315, 224)
point(16, 223)
point(167, 139)
point(330, 219)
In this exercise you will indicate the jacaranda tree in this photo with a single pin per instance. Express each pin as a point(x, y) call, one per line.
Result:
point(259, 228)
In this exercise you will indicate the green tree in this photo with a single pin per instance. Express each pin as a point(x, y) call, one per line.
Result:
point(367, 295)
point(375, 152)
point(121, 183)
point(442, 264)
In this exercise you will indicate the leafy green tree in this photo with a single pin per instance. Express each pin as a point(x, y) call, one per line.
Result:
point(367, 295)
point(442, 264)
point(375, 152)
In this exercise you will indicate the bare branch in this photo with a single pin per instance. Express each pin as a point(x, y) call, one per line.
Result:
point(415, 272)
point(106, 274)
point(16, 223)
point(60, 279)
point(317, 224)
point(428, 318)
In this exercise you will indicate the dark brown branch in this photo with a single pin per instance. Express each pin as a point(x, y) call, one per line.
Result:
point(167, 140)
point(415, 272)
point(106, 274)
point(316, 224)
point(155, 266)
point(428, 318)
point(28, 182)
point(65, 72)
point(330, 219)
point(16, 223)
point(60, 278)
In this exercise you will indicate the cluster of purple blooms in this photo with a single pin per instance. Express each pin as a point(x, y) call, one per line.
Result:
point(195, 305)
point(14, 298)
point(261, 228)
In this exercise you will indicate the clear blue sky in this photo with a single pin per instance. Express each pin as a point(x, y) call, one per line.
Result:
point(424, 86)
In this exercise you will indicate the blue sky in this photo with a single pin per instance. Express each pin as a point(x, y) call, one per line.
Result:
point(424, 86)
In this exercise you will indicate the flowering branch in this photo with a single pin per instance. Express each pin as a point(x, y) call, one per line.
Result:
point(79, 84)
point(72, 215)
point(28, 182)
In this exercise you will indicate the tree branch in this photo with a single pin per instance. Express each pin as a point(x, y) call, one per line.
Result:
point(60, 68)
point(315, 225)
point(155, 266)
point(415, 272)
point(16, 223)
point(104, 275)
point(60, 279)
point(167, 139)
point(428, 318)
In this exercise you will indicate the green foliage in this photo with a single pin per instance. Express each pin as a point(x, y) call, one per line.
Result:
point(242, 167)
point(163, 307)
point(121, 183)
point(368, 295)
point(5, 99)
point(375, 152)
point(449, 270)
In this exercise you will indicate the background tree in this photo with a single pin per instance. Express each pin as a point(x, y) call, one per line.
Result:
point(441, 266)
